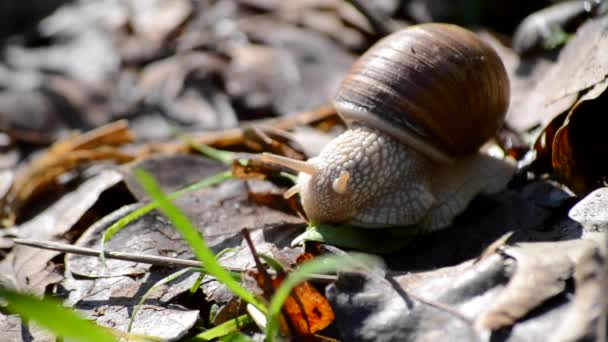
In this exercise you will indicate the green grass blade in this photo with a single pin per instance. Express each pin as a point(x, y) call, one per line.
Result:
point(290, 176)
point(50, 314)
point(236, 337)
point(224, 157)
point(272, 262)
point(158, 284)
point(223, 329)
point(168, 279)
point(322, 264)
point(124, 221)
point(196, 285)
point(194, 239)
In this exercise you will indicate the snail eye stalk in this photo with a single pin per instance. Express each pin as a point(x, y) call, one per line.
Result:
point(296, 165)
point(291, 191)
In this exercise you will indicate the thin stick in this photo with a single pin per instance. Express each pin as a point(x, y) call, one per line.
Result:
point(143, 258)
point(134, 257)
point(268, 289)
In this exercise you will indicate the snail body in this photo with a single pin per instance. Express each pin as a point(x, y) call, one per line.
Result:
point(418, 105)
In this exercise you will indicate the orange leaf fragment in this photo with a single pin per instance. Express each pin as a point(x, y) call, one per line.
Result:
point(306, 310)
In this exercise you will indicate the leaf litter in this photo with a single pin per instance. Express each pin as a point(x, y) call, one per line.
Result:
point(180, 67)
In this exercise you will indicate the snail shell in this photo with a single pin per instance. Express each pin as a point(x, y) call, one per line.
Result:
point(426, 94)
point(438, 88)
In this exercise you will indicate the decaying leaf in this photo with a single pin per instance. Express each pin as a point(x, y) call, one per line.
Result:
point(580, 147)
point(591, 211)
point(181, 65)
point(306, 310)
point(235, 137)
point(274, 141)
point(65, 155)
point(172, 171)
point(461, 302)
point(546, 29)
point(13, 329)
point(28, 268)
point(110, 302)
point(541, 272)
point(582, 64)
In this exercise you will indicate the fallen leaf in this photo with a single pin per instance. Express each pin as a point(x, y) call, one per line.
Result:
point(63, 156)
point(581, 64)
point(580, 147)
point(542, 270)
point(274, 141)
point(591, 212)
point(306, 309)
point(110, 302)
point(12, 328)
point(28, 268)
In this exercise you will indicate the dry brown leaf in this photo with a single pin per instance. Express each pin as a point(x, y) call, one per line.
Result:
point(274, 141)
point(235, 137)
point(306, 310)
point(551, 90)
point(542, 270)
point(63, 156)
point(580, 147)
point(30, 268)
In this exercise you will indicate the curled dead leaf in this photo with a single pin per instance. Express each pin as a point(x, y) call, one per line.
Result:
point(63, 156)
point(580, 147)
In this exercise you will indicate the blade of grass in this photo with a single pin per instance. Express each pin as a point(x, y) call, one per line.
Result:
point(236, 337)
point(156, 286)
point(293, 178)
point(124, 221)
point(223, 329)
point(224, 157)
point(272, 262)
point(202, 252)
point(51, 315)
point(322, 264)
point(197, 283)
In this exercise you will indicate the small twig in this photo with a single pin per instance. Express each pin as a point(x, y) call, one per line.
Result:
point(268, 289)
point(134, 257)
point(378, 22)
point(143, 258)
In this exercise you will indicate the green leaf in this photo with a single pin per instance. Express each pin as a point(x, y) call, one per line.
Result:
point(322, 264)
point(50, 314)
point(376, 240)
point(225, 329)
point(194, 239)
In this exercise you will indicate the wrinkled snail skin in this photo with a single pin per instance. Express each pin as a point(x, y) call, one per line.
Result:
point(386, 185)
point(418, 105)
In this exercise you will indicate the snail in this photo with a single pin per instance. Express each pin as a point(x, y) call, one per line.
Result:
point(418, 105)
